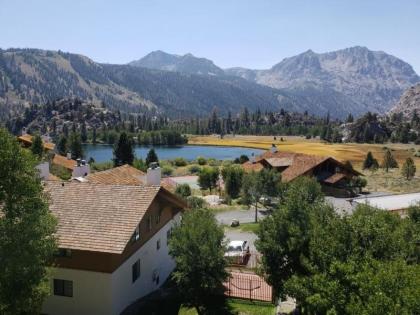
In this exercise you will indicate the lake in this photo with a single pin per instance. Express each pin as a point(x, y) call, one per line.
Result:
point(103, 153)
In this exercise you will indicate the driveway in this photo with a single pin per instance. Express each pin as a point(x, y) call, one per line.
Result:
point(237, 235)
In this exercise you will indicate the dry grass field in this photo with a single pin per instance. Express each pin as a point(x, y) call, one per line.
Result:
point(354, 152)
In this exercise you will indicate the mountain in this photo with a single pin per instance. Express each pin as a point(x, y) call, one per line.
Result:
point(38, 76)
point(409, 102)
point(353, 80)
point(187, 63)
point(361, 79)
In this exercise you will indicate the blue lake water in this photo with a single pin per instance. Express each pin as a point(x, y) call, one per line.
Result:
point(103, 153)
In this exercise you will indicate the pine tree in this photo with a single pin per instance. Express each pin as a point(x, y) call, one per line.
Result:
point(389, 161)
point(370, 161)
point(151, 157)
point(123, 151)
point(75, 146)
point(62, 145)
point(408, 169)
point(37, 147)
point(83, 132)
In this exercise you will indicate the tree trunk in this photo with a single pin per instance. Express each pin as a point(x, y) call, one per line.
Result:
point(256, 211)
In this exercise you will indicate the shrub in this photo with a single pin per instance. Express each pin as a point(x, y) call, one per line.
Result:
point(167, 170)
point(183, 190)
point(201, 160)
point(101, 166)
point(213, 162)
point(194, 169)
point(180, 162)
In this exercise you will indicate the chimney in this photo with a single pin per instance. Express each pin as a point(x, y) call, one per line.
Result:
point(44, 170)
point(68, 155)
point(252, 159)
point(153, 175)
point(273, 148)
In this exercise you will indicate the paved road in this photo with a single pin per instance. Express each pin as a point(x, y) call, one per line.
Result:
point(244, 216)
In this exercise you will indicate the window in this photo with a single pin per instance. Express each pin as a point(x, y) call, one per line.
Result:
point(157, 218)
point(149, 223)
point(63, 287)
point(158, 244)
point(136, 270)
point(136, 234)
point(63, 252)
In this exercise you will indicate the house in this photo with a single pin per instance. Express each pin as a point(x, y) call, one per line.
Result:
point(395, 203)
point(335, 177)
point(113, 243)
point(125, 175)
point(26, 141)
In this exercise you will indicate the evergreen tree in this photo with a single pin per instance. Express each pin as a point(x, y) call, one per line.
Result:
point(370, 161)
point(408, 169)
point(151, 157)
point(75, 146)
point(83, 132)
point(349, 118)
point(62, 145)
point(27, 227)
point(389, 161)
point(94, 135)
point(37, 147)
point(123, 151)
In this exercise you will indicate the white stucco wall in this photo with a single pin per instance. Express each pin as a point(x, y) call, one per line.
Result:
point(91, 294)
point(96, 293)
point(124, 291)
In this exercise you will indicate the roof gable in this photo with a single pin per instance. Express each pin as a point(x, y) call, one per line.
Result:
point(98, 217)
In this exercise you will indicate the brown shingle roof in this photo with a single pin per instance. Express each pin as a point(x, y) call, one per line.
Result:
point(125, 175)
point(98, 217)
point(299, 163)
point(27, 139)
point(121, 175)
point(64, 162)
point(334, 178)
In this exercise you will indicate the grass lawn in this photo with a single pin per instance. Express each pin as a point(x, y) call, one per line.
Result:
point(239, 307)
point(245, 227)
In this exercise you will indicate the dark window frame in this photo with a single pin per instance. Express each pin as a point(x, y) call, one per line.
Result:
point(63, 287)
point(135, 271)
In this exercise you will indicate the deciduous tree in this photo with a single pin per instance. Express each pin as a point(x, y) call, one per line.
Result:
point(26, 231)
point(198, 249)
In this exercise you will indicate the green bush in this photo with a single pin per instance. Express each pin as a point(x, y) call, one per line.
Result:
point(213, 162)
point(180, 162)
point(201, 160)
point(194, 169)
point(183, 190)
point(102, 166)
point(167, 170)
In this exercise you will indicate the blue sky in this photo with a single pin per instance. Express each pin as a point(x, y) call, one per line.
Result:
point(253, 34)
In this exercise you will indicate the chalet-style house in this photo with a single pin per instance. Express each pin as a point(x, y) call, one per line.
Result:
point(113, 241)
point(333, 175)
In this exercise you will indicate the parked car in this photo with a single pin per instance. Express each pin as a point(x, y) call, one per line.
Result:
point(237, 252)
